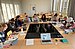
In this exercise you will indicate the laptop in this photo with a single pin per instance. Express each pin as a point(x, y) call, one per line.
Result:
point(46, 38)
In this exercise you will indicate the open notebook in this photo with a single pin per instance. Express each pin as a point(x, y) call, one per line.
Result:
point(29, 41)
point(9, 33)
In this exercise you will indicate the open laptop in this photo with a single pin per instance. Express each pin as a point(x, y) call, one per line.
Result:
point(46, 38)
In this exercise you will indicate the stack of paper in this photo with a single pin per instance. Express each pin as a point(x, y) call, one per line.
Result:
point(29, 41)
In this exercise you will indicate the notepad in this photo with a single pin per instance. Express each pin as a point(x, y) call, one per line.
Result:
point(29, 41)
point(9, 33)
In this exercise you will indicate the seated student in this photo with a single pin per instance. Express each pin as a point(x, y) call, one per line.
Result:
point(70, 19)
point(72, 25)
point(43, 18)
point(54, 18)
point(18, 23)
point(11, 24)
point(5, 29)
point(61, 18)
point(35, 18)
point(2, 35)
point(27, 19)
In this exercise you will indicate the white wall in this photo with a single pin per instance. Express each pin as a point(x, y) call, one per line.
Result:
point(41, 6)
point(71, 9)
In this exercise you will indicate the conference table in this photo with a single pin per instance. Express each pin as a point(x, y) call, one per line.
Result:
point(37, 41)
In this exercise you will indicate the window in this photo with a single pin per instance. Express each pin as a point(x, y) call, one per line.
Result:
point(51, 2)
point(61, 1)
point(65, 6)
point(12, 10)
point(16, 9)
point(8, 11)
point(60, 6)
point(4, 12)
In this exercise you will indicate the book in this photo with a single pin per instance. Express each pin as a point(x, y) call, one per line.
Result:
point(46, 38)
point(29, 41)
point(68, 30)
point(9, 33)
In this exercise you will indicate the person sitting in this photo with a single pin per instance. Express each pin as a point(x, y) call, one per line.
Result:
point(18, 23)
point(6, 29)
point(43, 18)
point(54, 18)
point(72, 25)
point(70, 19)
point(2, 35)
point(61, 18)
point(27, 19)
point(11, 24)
point(35, 18)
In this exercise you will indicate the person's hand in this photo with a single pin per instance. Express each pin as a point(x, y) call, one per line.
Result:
point(19, 27)
point(70, 27)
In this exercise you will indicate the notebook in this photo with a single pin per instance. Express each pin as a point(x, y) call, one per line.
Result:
point(46, 38)
point(9, 33)
point(29, 41)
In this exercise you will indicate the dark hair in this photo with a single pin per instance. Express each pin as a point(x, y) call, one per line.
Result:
point(18, 16)
point(12, 19)
point(44, 16)
point(24, 13)
point(56, 14)
point(4, 24)
point(34, 14)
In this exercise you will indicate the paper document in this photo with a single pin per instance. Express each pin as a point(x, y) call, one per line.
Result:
point(29, 41)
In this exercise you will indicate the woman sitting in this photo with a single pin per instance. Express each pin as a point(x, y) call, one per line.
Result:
point(35, 18)
point(18, 23)
point(72, 25)
point(43, 18)
point(27, 19)
point(2, 34)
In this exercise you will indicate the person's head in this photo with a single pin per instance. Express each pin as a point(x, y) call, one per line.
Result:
point(43, 16)
point(18, 17)
point(56, 14)
point(61, 16)
point(25, 13)
point(34, 16)
point(5, 25)
point(27, 17)
point(1, 28)
point(12, 19)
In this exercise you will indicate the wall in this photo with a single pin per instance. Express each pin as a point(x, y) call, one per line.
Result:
point(41, 6)
point(71, 9)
